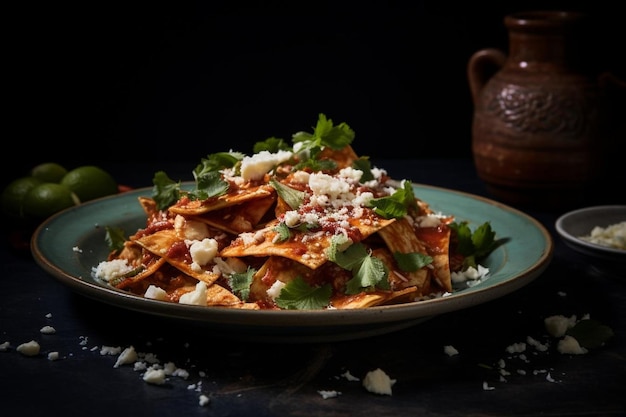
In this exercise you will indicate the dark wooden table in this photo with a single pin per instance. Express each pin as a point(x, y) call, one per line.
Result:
point(284, 379)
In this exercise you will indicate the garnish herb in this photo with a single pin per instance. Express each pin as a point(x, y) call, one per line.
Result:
point(474, 245)
point(240, 283)
point(298, 295)
point(367, 271)
point(590, 333)
point(396, 205)
point(293, 198)
point(115, 238)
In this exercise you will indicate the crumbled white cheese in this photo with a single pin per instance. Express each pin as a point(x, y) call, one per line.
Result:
point(542, 347)
point(450, 350)
point(487, 387)
point(108, 270)
point(156, 293)
point(203, 400)
point(110, 350)
point(516, 348)
point(347, 375)
point(471, 275)
point(613, 236)
point(29, 348)
point(557, 325)
point(154, 376)
point(274, 291)
point(4, 346)
point(570, 345)
point(47, 330)
point(202, 252)
point(53, 356)
point(77, 249)
point(378, 382)
point(190, 229)
point(196, 297)
point(329, 394)
point(256, 166)
point(128, 356)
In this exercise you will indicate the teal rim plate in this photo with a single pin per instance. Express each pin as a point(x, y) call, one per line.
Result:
point(70, 243)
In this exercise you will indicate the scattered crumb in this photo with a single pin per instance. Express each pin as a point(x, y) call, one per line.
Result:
point(450, 350)
point(571, 346)
point(128, 355)
point(48, 330)
point(378, 382)
point(329, 394)
point(203, 400)
point(154, 376)
point(347, 375)
point(29, 348)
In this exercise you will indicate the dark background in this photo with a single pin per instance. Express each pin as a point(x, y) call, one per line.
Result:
point(107, 82)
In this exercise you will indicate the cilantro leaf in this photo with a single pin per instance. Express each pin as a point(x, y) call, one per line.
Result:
point(271, 145)
point(293, 198)
point(283, 232)
point(114, 238)
point(216, 162)
point(410, 262)
point(209, 184)
point(325, 134)
point(165, 191)
point(371, 272)
point(299, 295)
point(396, 205)
point(476, 245)
point(240, 283)
point(367, 271)
point(590, 333)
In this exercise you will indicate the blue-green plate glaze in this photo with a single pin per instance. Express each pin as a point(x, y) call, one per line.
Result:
point(70, 243)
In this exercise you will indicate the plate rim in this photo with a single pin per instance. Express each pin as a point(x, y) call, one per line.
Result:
point(280, 320)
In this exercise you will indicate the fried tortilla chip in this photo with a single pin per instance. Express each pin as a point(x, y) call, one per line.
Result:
point(400, 237)
point(162, 244)
point(308, 248)
point(239, 218)
point(188, 207)
point(372, 299)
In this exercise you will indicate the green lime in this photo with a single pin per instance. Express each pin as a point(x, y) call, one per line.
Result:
point(89, 182)
point(47, 198)
point(49, 172)
point(13, 195)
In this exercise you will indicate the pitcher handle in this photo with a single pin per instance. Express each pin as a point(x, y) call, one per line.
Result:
point(482, 65)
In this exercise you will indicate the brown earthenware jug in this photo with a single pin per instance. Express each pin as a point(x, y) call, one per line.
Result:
point(539, 129)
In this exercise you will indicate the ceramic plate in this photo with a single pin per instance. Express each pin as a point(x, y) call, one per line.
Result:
point(71, 242)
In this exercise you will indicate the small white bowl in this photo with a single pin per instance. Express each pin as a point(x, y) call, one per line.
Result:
point(574, 224)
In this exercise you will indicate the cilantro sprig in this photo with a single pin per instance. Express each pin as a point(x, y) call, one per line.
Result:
point(299, 295)
point(208, 180)
point(368, 272)
point(476, 245)
point(325, 134)
point(396, 205)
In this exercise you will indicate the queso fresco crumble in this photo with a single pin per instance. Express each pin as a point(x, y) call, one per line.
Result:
point(613, 236)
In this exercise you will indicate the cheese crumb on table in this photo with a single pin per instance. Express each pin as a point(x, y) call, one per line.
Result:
point(378, 382)
point(450, 350)
point(29, 348)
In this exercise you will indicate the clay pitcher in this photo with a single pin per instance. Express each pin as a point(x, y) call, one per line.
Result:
point(538, 129)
